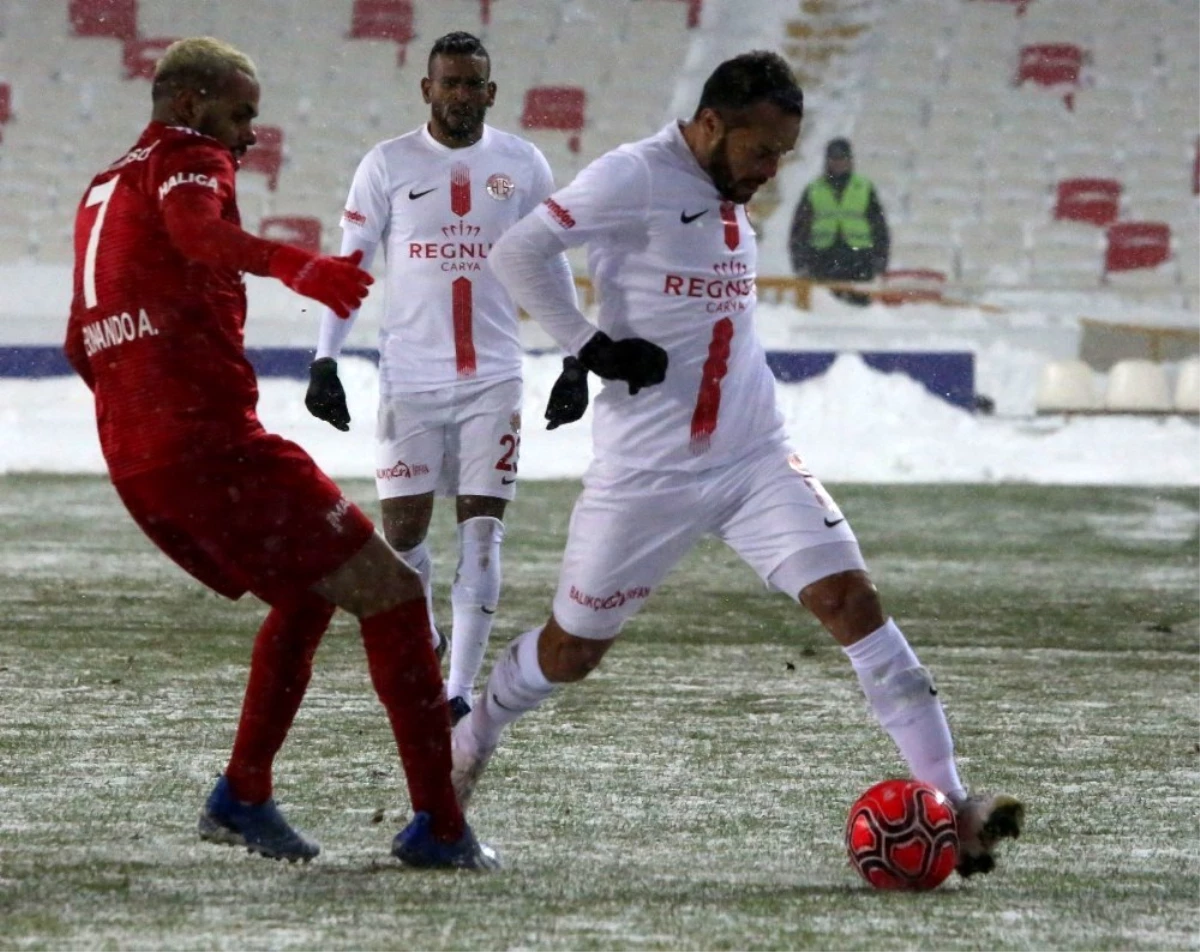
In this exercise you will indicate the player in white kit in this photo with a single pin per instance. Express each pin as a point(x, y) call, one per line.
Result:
point(450, 352)
point(704, 452)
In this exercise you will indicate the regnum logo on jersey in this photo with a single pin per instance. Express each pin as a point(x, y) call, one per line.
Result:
point(732, 290)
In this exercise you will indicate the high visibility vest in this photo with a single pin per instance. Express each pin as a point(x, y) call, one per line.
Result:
point(847, 215)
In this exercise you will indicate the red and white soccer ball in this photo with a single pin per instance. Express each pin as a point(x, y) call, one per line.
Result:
point(901, 834)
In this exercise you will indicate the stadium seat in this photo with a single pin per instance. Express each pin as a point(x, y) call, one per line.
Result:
point(1050, 64)
point(910, 254)
point(1066, 386)
point(1066, 266)
point(141, 55)
point(1137, 386)
point(111, 18)
point(912, 285)
point(1133, 245)
point(383, 20)
point(267, 155)
point(1187, 386)
point(1067, 234)
point(559, 108)
point(1095, 201)
point(303, 231)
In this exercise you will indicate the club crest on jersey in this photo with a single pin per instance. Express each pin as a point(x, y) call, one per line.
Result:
point(501, 187)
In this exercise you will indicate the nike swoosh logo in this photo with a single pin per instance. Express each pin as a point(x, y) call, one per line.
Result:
point(487, 611)
point(830, 523)
point(503, 707)
point(688, 219)
point(413, 195)
point(507, 480)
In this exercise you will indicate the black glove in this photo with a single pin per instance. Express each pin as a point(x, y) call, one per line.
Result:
point(325, 399)
point(638, 362)
point(569, 395)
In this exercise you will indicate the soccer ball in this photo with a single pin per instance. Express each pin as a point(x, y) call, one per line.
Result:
point(901, 834)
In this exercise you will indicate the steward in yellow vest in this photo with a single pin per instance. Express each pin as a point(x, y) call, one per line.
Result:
point(839, 232)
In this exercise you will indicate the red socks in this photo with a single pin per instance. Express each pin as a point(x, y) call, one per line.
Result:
point(408, 680)
point(280, 668)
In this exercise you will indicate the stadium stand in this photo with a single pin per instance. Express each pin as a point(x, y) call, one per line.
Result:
point(82, 65)
point(988, 126)
point(988, 120)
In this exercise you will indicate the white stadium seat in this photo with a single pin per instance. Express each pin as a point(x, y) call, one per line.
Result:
point(1137, 386)
point(1066, 386)
point(1187, 386)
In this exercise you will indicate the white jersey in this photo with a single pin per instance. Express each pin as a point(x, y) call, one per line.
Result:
point(438, 211)
point(674, 263)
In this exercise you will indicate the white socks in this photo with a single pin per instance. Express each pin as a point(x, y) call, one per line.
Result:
point(905, 702)
point(516, 685)
point(418, 559)
point(473, 598)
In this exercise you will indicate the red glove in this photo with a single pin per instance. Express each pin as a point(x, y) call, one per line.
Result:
point(337, 282)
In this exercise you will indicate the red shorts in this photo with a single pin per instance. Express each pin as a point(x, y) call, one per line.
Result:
point(261, 518)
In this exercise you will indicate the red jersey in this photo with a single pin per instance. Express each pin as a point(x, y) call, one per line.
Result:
point(158, 335)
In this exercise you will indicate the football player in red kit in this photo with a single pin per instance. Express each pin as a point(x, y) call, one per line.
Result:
point(156, 331)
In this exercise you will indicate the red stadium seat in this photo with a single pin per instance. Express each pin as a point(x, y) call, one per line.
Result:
point(1137, 244)
point(1050, 64)
point(267, 155)
point(140, 56)
point(485, 12)
point(303, 231)
point(907, 285)
point(555, 107)
point(115, 18)
point(1093, 200)
point(5, 103)
point(383, 20)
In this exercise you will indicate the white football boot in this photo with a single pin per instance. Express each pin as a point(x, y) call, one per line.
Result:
point(468, 761)
point(983, 821)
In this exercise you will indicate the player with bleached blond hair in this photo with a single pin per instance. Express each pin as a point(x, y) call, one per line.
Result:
point(156, 331)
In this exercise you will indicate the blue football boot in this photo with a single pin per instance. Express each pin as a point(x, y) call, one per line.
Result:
point(259, 827)
point(416, 846)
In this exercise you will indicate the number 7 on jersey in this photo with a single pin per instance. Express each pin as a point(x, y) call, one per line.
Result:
point(99, 195)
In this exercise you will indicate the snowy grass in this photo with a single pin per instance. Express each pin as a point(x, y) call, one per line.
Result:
point(690, 795)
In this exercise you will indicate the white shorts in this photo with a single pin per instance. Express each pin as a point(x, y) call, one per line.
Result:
point(463, 440)
point(630, 528)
